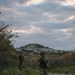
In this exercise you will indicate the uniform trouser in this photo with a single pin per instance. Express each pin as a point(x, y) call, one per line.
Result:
point(20, 65)
point(43, 71)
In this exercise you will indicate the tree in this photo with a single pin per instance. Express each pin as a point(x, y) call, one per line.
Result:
point(6, 47)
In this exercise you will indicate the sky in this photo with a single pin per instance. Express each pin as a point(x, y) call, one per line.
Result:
point(50, 23)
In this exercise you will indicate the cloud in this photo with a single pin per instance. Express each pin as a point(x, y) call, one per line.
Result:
point(29, 30)
point(34, 2)
point(68, 3)
point(47, 22)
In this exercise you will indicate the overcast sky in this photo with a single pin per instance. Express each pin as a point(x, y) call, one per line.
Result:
point(47, 22)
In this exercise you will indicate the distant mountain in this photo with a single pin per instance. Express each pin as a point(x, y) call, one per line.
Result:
point(37, 48)
point(33, 46)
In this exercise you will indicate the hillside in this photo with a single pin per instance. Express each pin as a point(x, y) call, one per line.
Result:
point(33, 46)
point(37, 48)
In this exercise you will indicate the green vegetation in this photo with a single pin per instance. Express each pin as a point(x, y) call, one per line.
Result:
point(32, 71)
point(70, 69)
point(7, 50)
point(15, 71)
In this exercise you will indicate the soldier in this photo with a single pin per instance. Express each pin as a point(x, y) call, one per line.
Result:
point(21, 59)
point(43, 64)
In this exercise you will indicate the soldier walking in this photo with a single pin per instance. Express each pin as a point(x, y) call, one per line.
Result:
point(21, 59)
point(43, 64)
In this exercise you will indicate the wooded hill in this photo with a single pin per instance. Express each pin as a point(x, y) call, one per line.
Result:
point(37, 48)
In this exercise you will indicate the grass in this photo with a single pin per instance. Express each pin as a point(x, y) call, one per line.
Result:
point(69, 69)
point(15, 71)
point(34, 71)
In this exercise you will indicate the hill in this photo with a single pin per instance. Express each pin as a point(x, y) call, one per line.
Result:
point(37, 48)
point(33, 46)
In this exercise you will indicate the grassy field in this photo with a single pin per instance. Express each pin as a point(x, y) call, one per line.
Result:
point(31, 71)
point(15, 71)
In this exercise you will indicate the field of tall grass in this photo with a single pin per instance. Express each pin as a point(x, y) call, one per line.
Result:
point(16, 71)
point(35, 71)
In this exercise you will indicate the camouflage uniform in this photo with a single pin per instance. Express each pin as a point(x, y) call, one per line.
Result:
point(21, 59)
point(43, 63)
